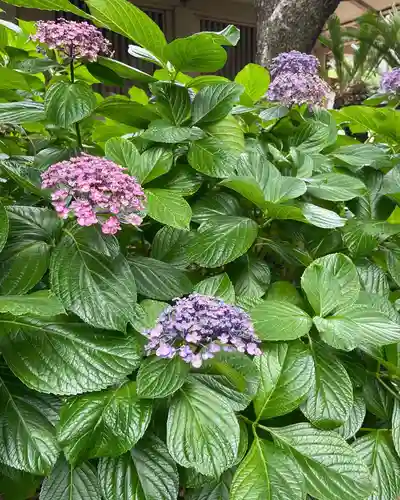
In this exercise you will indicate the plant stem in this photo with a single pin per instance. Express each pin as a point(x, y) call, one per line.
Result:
point(77, 129)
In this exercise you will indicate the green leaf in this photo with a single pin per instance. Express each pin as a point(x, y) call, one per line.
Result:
point(163, 131)
point(373, 279)
point(321, 217)
point(40, 303)
point(68, 103)
point(215, 204)
point(11, 79)
point(222, 240)
point(335, 187)
point(396, 426)
point(393, 264)
point(233, 376)
point(158, 280)
point(123, 110)
point(377, 451)
point(124, 18)
point(356, 326)
point(197, 53)
point(212, 104)
point(154, 162)
point(255, 80)
point(168, 208)
point(143, 54)
point(68, 483)
point(331, 283)
point(378, 400)
point(252, 277)
point(276, 187)
point(106, 423)
point(217, 286)
point(287, 371)
point(313, 136)
point(285, 291)
point(209, 157)
point(229, 36)
point(198, 82)
point(99, 289)
point(4, 226)
point(78, 358)
point(210, 488)
point(331, 468)
point(169, 245)
point(27, 435)
point(202, 430)
point(269, 473)
point(280, 320)
point(124, 153)
point(173, 101)
point(125, 71)
point(21, 112)
point(159, 378)
point(247, 187)
point(330, 399)
point(355, 419)
point(25, 258)
point(183, 180)
point(146, 473)
point(48, 5)
point(359, 155)
point(274, 112)
point(228, 133)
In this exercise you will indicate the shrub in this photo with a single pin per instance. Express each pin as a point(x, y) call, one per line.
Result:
point(133, 301)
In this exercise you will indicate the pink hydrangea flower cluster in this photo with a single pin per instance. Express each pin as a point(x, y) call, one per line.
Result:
point(95, 190)
point(75, 40)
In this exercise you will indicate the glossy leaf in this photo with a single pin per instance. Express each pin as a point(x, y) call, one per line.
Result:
point(377, 451)
point(40, 303)
point(330, 399)
point(267, 472)
point(28, 439)
point(168, 208)
point(255, 80)
point(146, 473)
point(217, 286)
point(287, 372)
point(169, 246)
point(68, 103)
point(21, 112)
point(214, 102)
point(69, 483)
point(210, 158)
point(222, 240)
point(99, 289)
point(202, 430)
point(331, 468)
point(79, 358)
point(124, 153)
point(163, 131)
point(158, 377)
point(331, 283)
point(128, 20)
point(173, 102)
point(280, 320)
point(252, 277)
point(158, 280)
point(355, 419)
point(335, 187)
point(106, 423)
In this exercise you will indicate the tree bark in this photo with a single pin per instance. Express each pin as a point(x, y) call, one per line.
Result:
point(284, 25)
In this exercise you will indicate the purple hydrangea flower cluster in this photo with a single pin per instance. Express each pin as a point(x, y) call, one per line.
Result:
point(75, 40)
point(296, 81)
point(196, 327)
point(294, 62)
point(95, 190)
point(390, 82)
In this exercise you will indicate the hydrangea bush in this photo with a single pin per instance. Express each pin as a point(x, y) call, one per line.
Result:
point(200, 278)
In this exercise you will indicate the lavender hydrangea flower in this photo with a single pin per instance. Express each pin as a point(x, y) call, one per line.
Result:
point(75, 40)
point(95, 190)
point(196, 327)
point(390, 82)
point(298, 88)
point(294, 62)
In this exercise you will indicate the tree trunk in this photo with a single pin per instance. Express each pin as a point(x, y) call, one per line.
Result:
point(284, 25)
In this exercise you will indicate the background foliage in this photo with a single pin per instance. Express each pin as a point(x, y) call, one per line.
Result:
point(275, 210)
